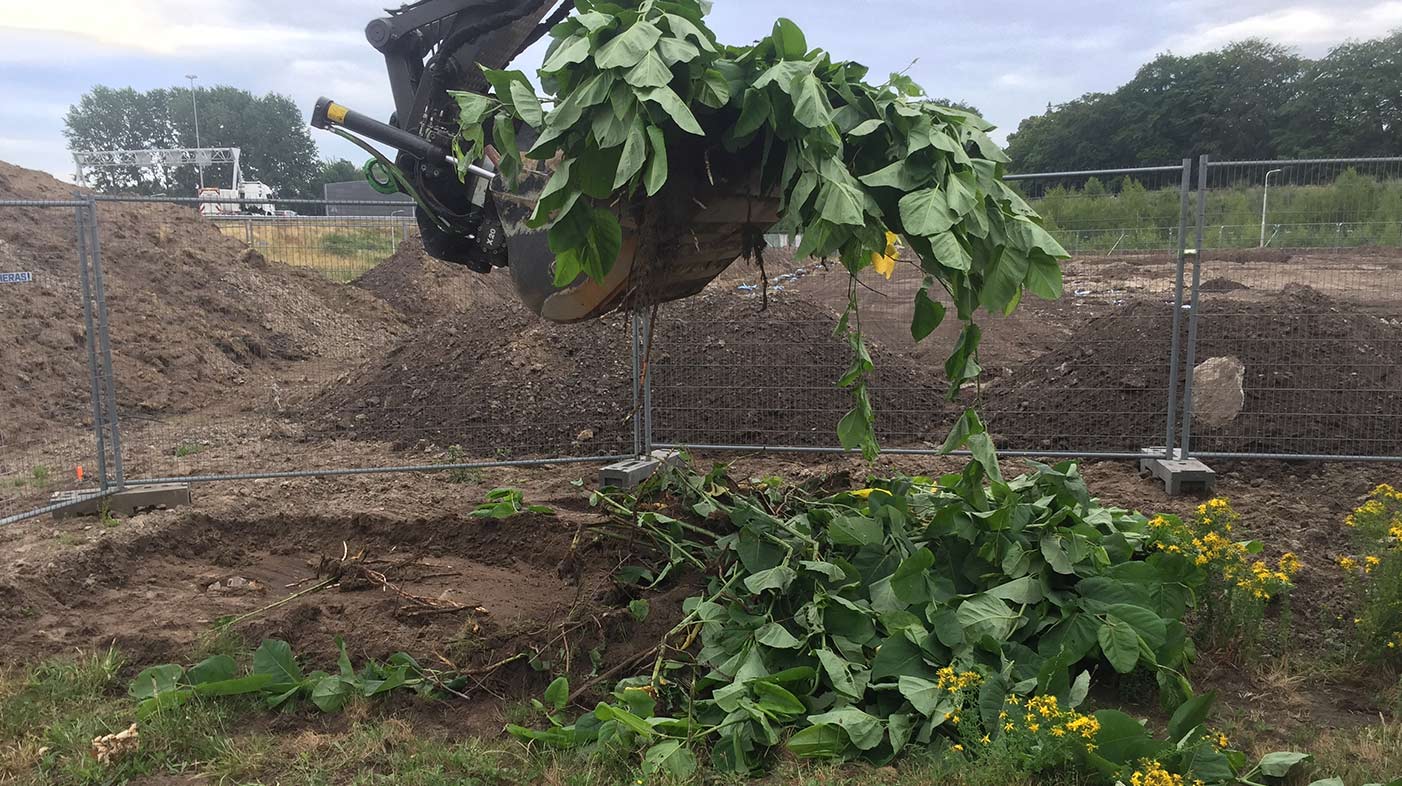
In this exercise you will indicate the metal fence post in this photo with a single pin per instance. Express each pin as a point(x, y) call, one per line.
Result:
point(85, 290)
point(100, 293)
point(248, 230)
point(636, 352)
point(1174, 344)
point(1185, 441)
point(647, 382)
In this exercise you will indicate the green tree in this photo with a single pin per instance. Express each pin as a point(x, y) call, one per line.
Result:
point(1348, 103)
point(275, 145)
point(1249, 100)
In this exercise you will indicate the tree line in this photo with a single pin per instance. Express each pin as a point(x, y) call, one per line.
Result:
point(1249, 100)
point(275, 145)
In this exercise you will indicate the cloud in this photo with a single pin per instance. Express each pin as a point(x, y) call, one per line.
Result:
point(165, 28)
point(1313, 28)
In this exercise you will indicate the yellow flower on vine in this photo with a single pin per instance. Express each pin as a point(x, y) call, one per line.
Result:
point(885, 263)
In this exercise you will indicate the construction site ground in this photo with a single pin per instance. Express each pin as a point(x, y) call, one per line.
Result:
point(227, 363)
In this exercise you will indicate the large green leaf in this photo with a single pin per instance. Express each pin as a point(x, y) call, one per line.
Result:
point(927, 697)
point(569, 52)
point(215, 668)
point(986, 615)
point(675, 108)
point(926, 212)
point(818, 742)
point(274, 657)
point(908, 582)
point(557, 694)
point(155, 680)
point(634, 155)
point(585, 240)
point(898, 657)
point(863, 730)
point(629, 47)
point(789, 40)
point(1279, 763)
point(810, 106)
point(651, 71)
point(671, 757)
point(655, 175)
point(1122, 739)
point(1150, 626)
point(928, 315)
point(1120, 644)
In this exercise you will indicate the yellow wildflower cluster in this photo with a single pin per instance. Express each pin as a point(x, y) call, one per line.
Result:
point(952, 682)
point(1043, 713)
point(1151, 773)
point(1381, 513)
point(1206, 543)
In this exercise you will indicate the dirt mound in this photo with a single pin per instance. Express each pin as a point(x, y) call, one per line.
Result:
point(1221, 285)
point(1320, 377)
point(193, 314)
point(498, 380)
point(423, 288)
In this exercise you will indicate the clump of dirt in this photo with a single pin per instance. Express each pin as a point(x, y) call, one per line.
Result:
point(1339, 371)
point(1221, 285)
point(194, 315)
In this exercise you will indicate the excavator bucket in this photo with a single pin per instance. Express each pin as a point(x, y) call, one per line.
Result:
point(709, 225)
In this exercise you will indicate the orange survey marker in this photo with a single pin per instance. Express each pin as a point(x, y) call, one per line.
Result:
point(80, 471)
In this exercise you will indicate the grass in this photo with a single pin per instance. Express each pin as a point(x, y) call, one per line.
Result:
point(341, 251)
point(188, 449)
point(50, 713)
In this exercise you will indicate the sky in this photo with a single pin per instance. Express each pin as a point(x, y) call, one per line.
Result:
point(1010, 58)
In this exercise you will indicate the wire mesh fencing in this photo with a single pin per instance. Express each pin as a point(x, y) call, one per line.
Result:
point(340, 247)
point(1297, 330)
point(53, 437)
point(1087, 374)
point(336, 345)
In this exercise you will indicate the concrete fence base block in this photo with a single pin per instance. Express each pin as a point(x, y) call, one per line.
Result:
point(631, 473)
point(125, 502)
point(1179, 475)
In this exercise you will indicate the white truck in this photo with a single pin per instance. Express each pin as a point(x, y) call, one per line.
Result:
point(248, 190)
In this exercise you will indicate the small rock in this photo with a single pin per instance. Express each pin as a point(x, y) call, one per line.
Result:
point(585, 435)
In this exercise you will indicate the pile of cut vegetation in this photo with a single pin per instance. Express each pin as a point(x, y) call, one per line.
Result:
point(1320, 376)
point(198, 320)
point(495, 378)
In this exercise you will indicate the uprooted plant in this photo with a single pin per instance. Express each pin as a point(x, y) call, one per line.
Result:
point(857, 167)
point(919, 611)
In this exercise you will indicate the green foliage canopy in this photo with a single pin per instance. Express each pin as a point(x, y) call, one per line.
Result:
point(855, 164)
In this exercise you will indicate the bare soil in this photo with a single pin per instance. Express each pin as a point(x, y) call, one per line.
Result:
point(198, 321)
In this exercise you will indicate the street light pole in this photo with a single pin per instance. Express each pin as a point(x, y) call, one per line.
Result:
point(196, 106)
point(1265, 195)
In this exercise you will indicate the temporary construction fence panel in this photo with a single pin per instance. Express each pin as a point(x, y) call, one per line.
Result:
point(54, 436)
point(1297, 318)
